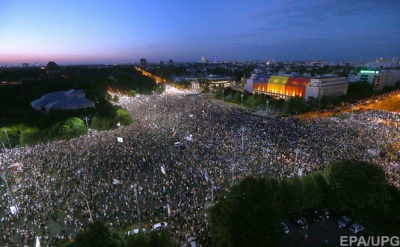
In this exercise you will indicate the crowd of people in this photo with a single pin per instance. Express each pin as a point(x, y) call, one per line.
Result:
point(178, 154)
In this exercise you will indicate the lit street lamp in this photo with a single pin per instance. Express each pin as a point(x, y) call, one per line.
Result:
point(3, 176)
point(243, 129)
point(137, 201)
point(233, 172)
point(5, 131)
point(87, 125)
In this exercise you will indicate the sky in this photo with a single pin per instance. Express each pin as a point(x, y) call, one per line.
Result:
point(124, 31)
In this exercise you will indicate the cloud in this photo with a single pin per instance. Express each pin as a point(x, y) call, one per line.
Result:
point(295, 13)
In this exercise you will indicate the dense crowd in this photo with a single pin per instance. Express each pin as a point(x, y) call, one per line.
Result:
point(163, 158)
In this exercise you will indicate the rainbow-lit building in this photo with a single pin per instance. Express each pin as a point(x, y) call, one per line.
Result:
point(285, 87)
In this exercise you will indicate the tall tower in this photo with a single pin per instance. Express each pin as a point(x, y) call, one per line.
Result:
point(216, 59)
point(143, 63)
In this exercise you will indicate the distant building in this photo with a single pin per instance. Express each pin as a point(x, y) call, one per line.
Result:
point(52, 69)
point(143, 63)
point(286, 87)
point(368, 76)
point(277, 86)
point(329, 86)
point(25, 65)
point(386, 78)
point(65, 100)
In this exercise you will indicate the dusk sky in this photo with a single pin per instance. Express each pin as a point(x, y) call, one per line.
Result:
point(124, 31)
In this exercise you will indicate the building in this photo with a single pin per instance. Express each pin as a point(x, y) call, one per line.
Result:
point(143, 63)
point(368, 76)
point(277, 85)
point(52, 69)
point(326, 86)
point(286, 87)
point(386, 78)
point(65, 100)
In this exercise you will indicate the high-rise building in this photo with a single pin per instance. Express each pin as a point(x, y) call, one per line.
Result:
point(143, 63)
point(216, 59)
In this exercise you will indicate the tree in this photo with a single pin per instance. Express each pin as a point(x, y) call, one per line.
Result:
point(123, 117)
point(357, 187)
point(97, 235)
point(294, 105)
point(311, 192)
point(29, 136)
point(249, 215)
point(290, 195)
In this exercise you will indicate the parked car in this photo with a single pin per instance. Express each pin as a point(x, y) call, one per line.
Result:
point(158, 226)
point(192, 242)
point(356, 228)
point(285, 228)
point(135, 231)
point(344, 221)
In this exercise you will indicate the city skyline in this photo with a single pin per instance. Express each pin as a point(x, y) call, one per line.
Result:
point(125, 31)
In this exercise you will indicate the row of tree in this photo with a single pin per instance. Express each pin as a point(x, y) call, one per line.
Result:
point(250, 213)
point(61, 124)
point(26, 126)
point(99, 235)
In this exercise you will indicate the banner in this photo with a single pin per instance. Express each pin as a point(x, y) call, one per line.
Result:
point(163, 170)
point(300, 172)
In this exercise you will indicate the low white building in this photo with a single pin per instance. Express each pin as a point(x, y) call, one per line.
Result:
point(66, 100)
point(326, 86)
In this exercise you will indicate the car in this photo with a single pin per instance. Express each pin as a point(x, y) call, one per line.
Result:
point(135, 231)
point(356, 228)
point(192, 242)
point(158, 226)
point(344, 221)
point(285, 228)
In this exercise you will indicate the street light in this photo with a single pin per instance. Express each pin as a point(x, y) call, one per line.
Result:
point(87, 203)
point(222, 94)
point(233, 173)
point(212, 190)
point(241, 101)
point(87, 125)
point(243, 129)
point(267, 107)
point(5, 131)
point(3, 176)
point(137, 201)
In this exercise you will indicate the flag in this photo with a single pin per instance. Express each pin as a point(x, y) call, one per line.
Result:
point(206, 175)
point(163, 169)
point(392, 155)
point(173, 133)
point(119, 139)
point(300, 172)
point(169, 209)
point(37, 242)
point(14, 209)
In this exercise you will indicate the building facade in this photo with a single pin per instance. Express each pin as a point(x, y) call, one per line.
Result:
point(329, 86)
point(65, 100)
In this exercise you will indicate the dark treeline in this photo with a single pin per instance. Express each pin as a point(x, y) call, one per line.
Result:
point(250, 213)
point(18, 116)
